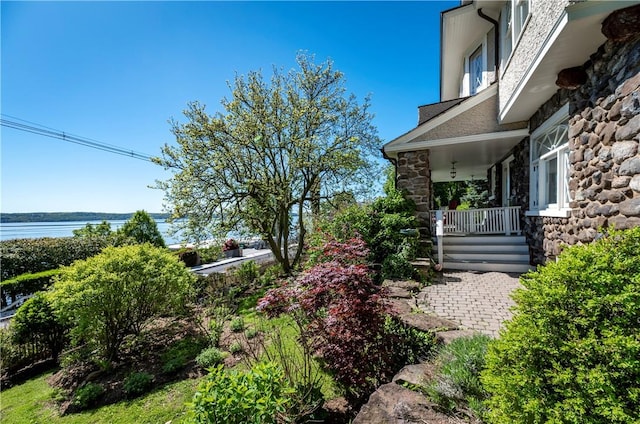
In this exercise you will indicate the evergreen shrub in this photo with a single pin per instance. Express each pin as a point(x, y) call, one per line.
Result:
point(137, 383)
point(571, 353)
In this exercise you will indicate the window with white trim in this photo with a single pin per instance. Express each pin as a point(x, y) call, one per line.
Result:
point(549, 184)
point(513, 17)
point(474, 77)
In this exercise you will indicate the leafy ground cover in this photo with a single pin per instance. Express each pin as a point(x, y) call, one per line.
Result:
point(34, 401)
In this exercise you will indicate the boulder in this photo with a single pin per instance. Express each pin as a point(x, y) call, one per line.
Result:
point(394, 404)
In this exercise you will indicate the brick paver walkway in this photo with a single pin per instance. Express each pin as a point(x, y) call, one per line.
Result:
point(477, 300)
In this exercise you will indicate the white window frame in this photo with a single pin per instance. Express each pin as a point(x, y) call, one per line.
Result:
point(555, 128)
point(511, 30)
point(465, 86)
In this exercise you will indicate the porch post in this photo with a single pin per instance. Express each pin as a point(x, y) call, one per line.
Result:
point(439, 236)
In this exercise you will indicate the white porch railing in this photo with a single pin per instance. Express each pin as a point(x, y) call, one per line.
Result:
point(504, 220)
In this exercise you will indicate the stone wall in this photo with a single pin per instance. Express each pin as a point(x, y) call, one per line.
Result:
point(604, 141)
point(414, 176)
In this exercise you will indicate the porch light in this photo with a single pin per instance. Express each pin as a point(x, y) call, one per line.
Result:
point(453, 170)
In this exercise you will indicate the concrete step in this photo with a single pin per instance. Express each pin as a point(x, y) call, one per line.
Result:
point(486, 256)
point(488, 240)
point(516, 267)
point(492, 248)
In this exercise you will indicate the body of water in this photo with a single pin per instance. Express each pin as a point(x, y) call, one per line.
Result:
point(65, 229)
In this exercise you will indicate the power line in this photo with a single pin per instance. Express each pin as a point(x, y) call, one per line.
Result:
point(34, 128)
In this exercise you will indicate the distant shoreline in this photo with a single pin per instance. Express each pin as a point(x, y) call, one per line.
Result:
point(7, 218)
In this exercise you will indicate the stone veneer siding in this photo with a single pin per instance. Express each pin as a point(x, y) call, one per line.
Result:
point(604, 140)
point(414, 176)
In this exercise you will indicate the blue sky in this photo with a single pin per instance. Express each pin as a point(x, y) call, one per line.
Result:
point(116, 72)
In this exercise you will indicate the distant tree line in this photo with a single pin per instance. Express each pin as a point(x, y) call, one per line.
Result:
point(71, 216)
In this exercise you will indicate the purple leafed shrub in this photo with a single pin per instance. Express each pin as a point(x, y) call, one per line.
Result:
point(342, 313)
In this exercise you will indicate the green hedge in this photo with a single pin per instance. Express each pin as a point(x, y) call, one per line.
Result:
point(22, 256)
point(571, 353)
point(26, 284)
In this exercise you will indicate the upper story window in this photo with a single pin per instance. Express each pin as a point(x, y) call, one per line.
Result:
point(474, 77)
point(549, 184)
point(513, 17)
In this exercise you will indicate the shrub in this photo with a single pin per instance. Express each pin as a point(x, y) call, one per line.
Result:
point(26, 284)
point(115, 293)
point(457, 382)
point(137, 383)
point(87, 395)
point(36, 322)
point(236, 347)
point(270, 275)
point(209, 357)
point(248, 272)
point(237, 324)
point(190, 257)
point(251, 333)
point(260, 396)
point(342, 309)
point(570, 353)
point(22, 256)
point(410, 345)
point(219, 316)
point(209, 254)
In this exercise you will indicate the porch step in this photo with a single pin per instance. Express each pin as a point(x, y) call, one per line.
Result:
point(516, 267)
point(485, 253)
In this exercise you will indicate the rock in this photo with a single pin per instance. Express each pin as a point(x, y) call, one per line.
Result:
point(623, 24)
point(394, 404)
point(629, 130)
point(414, 374)
point(427, 322)
point(622, 150)
point(621, 182)
point(630, 167)
point(571, 78)
point(630, 207)
point(634, 184)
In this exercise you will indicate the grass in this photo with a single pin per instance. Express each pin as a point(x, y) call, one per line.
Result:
point(32, 402)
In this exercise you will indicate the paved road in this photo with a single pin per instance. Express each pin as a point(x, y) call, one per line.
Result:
point(479, 301)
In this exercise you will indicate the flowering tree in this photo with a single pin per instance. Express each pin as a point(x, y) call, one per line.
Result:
point(279, 148)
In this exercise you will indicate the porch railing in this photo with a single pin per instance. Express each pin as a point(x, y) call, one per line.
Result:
point(504, 220)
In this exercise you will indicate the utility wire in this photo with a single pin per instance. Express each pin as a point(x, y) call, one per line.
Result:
point(32, 127)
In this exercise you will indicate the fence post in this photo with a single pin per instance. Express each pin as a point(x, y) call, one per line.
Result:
point(507, 221)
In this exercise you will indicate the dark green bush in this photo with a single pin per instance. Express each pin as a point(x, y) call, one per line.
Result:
point(36, 322)
point(137, 383)
point(22, 256)
point(248, 272)
point(26, 284)
point(87, 395)
point(571, 353)
point(410, 345)
point(259, 396)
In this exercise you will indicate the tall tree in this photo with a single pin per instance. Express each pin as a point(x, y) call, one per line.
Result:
point(279, 148)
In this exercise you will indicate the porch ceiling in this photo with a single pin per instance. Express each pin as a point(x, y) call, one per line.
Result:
point(472, 157)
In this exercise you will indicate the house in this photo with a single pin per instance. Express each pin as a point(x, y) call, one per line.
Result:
point(542, 98)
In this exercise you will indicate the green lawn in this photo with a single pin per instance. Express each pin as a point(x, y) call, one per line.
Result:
point(32, 402)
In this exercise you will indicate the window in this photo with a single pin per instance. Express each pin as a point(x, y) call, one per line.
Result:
point(513, 18)
point(474, 79)
point(475, 70)
point(549, 183)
